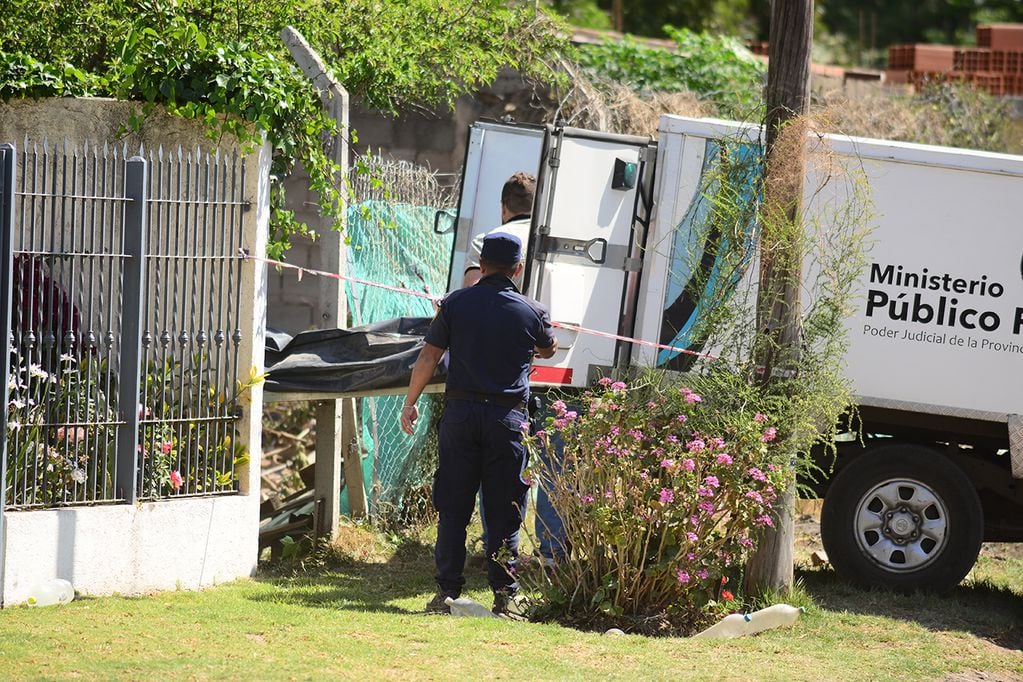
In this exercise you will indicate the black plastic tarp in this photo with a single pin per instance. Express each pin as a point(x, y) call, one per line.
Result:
point(366, 358)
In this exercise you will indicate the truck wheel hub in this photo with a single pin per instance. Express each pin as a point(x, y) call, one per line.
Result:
point(901, 525)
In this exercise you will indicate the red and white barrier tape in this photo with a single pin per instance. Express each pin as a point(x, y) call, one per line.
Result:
point(563, 325)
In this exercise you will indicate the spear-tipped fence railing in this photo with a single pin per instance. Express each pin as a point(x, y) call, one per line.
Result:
point(122, 340)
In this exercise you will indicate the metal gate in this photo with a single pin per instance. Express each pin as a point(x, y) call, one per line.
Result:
point(121, 327)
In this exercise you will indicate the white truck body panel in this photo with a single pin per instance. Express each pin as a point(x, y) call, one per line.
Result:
point(951, 211)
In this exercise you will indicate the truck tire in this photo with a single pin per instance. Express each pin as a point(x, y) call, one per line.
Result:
point(903, 517)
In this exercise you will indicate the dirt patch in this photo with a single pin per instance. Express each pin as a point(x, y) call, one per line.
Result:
point(979, 676)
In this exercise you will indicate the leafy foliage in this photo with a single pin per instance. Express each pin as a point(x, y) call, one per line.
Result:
point(662, 491)
point(717, 68)
point(223, 63)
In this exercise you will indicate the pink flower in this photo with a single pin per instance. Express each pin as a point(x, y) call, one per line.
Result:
point(175, 480)
point(692, 537)
point(604, 381)
point(560, 423)
point(717, 443)
point(667, 463)
point(769, 434)
point(618, 386)
point(696, 445)
point(651, 404)
point(72, 434)
point(166, 447)
point(712, 481)
point(755, 496)
point(571, 415)
point(724, 458)
point(672, 438)
point(757, 474)
point(760, 417)
point(704, 492)
point(764, 520)
point(559, 407)
point(706, 507)
point(586, 498)
point(693, 398)
point(667, 496)
point(636, 433)
point(746, 542)
point(693, 520)
point(688, 464)
point(681, 419)
point(644, 475)
point(702, 574)
point(608, 494)
point(690, 557)
point(682, 576)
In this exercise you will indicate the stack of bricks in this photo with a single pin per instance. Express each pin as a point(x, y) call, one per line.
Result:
point(995, 65)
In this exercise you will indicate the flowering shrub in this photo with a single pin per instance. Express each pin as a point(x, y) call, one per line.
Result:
point(662, 490)
point(62, 433)
point(56, 425)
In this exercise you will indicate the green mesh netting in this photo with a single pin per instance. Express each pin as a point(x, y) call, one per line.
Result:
point(394, 244)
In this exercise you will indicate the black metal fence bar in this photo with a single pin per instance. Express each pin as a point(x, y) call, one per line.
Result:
point(65, 336)
point(7, 155)
point(134, 225)
point(188, 359)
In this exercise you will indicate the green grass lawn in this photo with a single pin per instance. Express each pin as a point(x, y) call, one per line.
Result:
point(361, 621)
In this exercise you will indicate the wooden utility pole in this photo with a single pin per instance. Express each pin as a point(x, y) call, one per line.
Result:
point(617, 15)
point(778, 297)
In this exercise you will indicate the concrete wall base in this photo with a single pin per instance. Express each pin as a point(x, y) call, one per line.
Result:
point(132, 549)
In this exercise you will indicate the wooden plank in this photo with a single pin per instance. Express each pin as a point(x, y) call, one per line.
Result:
point(357, 506)
point(282, 397)
point(327, 477)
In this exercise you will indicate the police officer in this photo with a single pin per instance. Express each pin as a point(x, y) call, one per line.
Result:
point(492, 333)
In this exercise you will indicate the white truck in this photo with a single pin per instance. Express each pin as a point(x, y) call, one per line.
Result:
point(936, 342)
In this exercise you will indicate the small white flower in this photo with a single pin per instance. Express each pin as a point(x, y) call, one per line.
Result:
point(67, 357)
point(78, 475)
point(37, 371)
point(17, 404)
point(13, 424)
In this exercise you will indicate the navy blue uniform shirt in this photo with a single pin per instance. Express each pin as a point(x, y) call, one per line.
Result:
point(490, 330)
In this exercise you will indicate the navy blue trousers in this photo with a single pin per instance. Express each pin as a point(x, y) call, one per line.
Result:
point(480, 449)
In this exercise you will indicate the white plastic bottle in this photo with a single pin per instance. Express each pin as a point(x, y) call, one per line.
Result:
point(741, 624)
point(50, 592)
point(465, 607)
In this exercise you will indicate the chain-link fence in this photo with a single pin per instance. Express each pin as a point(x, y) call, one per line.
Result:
point(393, 242)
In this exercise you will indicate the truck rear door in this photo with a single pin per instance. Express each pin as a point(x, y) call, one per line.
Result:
point(590, 222)
point(584, 255)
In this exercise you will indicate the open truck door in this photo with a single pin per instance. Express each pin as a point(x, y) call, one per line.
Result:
point(493, 153)
point(589, 223)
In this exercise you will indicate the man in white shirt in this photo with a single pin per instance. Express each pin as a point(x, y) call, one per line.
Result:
point(516, 207)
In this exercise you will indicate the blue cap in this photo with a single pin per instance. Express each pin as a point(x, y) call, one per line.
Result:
point(501, 248)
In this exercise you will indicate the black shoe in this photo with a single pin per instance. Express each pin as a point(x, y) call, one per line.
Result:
point(437, 604)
